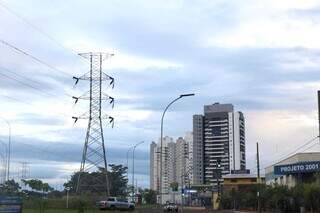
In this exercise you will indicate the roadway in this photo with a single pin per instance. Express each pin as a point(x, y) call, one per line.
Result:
point(156, 210)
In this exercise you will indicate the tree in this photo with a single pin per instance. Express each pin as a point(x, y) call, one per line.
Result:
point(174, 186)
point(9, 187)
point(118, 180)
point(311, 194)
point(38, 185)
point(91, 181)
point(150, 196)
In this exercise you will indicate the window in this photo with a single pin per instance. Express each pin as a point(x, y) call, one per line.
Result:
point(111, 199)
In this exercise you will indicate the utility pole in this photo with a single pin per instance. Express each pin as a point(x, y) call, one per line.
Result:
point(9, 147)
point(94, 154)
point(319, 112)
point(218, 175)
point(67, 204)
point(161, 139)
point(24, 170)
point(128, 162)
point(133, 188)
point(4, 162)
point(23, 173)
point(258, 179)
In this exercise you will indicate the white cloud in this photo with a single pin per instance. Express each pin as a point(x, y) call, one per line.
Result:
point(137, 63)
point(270, 24)
point(271, 33)
point(278, 132)
point(175, 29)
point(120, 60)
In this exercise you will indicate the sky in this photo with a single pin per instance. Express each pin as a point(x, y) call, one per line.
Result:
point(261, 56)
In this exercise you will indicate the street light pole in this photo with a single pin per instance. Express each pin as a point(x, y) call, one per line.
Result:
point(67, 197)
point(134, 148)
point(4, 161)
point(161, 137)
point(9, 147)
point(128, 162)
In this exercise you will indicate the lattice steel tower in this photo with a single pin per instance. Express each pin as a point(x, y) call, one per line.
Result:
point(94, 154)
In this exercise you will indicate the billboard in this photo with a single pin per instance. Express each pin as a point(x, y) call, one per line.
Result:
point(10, 204)
point(303, 167)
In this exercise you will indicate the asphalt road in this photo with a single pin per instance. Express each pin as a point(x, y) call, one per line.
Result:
point(155, 210)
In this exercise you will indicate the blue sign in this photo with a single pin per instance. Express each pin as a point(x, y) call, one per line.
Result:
point(10, 204)
point(303, 167)
point(190, 191)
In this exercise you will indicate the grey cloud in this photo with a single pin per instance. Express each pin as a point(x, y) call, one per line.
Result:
point(246, 77)
point(33, 150)
point(36, 119)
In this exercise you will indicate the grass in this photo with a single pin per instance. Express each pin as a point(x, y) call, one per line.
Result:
point(69, 211)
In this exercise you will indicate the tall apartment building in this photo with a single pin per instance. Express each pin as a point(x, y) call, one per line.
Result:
point(189, 140)
point(175, 163)
point(182, 151)
point(198, 150)
point(218, 135)
point(168, 164)
point(154, 159)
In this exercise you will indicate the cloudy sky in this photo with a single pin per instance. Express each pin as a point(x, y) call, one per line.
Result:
point(262, 56)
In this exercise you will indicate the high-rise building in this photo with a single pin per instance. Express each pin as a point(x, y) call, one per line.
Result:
point(176, 163)
point(169, 171)
point(198, 150)
point(168, 164)
point(218, 136)
point(154, 183)
point(182, 156)
point(189, 163)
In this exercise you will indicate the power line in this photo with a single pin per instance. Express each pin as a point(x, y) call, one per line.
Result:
point(291, 153)
point(300, 147)
point(310, 147)
point(18, 50)
point(306, 149)
point(21, 76)
point(38, 89)
point(28, 103)
point(34, 27)
point(26, 84)
point(32, 147)
point(16, 99)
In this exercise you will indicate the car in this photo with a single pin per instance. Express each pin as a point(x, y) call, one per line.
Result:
point(170, 207)
point(114, 203)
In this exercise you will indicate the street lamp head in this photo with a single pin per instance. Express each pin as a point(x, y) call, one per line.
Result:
point(186, 95)
point(138, 144)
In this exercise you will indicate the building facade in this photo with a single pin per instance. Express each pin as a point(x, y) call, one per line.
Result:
point(154, 159)
point(168, 169)
point(189, 163)
point(182, 155)
point(219, 138)
point(175, 163)
point(241, 182)
point(198, 150)
point(298, 168)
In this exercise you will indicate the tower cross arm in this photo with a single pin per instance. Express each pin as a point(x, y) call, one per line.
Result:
point(86, 77)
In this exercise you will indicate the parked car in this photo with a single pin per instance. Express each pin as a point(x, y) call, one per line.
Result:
point(170, 207)
point(114, 203)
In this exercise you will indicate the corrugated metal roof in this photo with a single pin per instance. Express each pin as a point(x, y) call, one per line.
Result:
point(231, 176)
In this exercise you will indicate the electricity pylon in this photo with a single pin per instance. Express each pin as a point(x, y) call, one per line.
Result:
point(94, 160)
point(24, 170)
